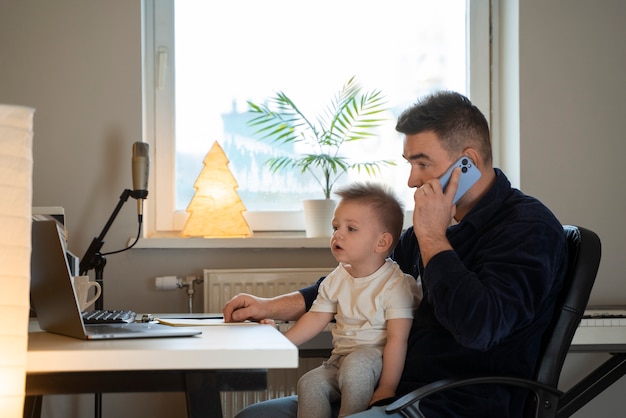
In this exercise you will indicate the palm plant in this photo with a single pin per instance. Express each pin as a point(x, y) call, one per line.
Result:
point(351, 116)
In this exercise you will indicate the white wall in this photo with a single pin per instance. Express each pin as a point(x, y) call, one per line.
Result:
point(78, 62)
point(572, 88)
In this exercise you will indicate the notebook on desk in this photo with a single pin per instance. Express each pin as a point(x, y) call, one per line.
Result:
point(56, 305)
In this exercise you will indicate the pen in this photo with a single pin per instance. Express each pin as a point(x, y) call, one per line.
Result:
point(198, 317)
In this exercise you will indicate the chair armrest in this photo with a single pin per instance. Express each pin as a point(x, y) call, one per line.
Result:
point(547, 396)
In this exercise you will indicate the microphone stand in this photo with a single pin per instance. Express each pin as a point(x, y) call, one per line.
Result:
point(93, 258)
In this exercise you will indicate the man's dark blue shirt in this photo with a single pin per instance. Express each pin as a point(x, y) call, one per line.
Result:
point(486, 303)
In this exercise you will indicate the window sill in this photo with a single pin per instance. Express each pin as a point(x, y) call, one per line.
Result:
point(293, 239)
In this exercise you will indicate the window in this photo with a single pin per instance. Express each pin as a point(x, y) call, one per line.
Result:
point(205, 60)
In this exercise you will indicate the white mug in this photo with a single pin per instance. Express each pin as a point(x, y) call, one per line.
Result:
point(81, 289)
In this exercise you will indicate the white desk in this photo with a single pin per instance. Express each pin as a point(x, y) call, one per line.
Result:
point(227, 357)
point(233, 357)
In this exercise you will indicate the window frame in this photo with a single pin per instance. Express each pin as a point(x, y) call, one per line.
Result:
point(159, 127)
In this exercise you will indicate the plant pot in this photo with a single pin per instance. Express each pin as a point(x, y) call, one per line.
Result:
point(318, 216)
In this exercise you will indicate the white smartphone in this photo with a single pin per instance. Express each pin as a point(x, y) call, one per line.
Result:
point(469, 175)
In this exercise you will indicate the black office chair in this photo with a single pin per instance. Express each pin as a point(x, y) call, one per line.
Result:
point(584, 259)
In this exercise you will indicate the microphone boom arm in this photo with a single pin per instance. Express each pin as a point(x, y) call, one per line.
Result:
point(93, 258)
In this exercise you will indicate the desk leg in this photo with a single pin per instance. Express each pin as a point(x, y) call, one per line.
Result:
point(592, 385)
point(203, 395)
point(32, 406)
point(97, 405)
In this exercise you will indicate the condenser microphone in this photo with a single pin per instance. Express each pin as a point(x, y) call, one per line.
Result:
point(141, 170)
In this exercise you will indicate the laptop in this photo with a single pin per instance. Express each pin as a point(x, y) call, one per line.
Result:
point(55, 302)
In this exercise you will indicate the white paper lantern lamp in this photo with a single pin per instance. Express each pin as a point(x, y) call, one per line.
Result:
point(16, 168)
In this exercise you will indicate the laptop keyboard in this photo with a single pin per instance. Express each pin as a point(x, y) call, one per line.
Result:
point(109, 317)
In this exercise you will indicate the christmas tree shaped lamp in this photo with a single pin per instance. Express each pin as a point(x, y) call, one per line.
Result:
point(216, 209)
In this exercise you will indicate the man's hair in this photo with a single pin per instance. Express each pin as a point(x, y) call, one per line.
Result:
point(453, 118)
point(382, 200)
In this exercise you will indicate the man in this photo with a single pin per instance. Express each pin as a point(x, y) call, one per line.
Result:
point(491, 268)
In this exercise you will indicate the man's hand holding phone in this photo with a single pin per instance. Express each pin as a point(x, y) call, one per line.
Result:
point(435, 205)
point(451, 186)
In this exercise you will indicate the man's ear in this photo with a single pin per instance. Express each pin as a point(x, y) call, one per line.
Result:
point(385, 240)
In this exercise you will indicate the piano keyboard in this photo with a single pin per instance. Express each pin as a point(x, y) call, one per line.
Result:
point(602, 322)
point(590, 319)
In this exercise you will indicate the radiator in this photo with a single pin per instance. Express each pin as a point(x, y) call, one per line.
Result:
point(221, 285)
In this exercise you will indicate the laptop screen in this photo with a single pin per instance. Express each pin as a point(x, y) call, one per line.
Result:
point(51, 289)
